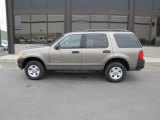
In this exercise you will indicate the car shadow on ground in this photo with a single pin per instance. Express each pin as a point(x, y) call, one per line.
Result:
point(70, 75)
point(85, 76)
point(132, 76)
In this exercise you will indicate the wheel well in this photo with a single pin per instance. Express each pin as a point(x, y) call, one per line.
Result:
point(31, 59)
point(120, 60)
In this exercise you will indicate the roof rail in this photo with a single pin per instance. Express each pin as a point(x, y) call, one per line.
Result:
point(106, 30)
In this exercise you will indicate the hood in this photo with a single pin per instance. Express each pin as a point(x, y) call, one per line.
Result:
point(36, 50)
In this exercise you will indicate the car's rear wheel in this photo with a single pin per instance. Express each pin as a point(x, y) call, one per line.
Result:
point(34, 70)
point(115, 72)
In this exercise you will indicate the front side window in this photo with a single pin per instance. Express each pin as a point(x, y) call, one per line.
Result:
point(71, 41)
point(96, 41)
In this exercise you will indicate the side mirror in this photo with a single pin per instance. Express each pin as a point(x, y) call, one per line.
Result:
point(56, 47)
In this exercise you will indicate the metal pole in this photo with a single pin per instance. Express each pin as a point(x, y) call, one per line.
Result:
point(10, 25)
point(90, 19)
point(109, 18)
point(150, 34)
point(131, 15)
point(68, 16)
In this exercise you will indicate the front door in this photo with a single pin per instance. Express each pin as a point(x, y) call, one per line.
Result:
point(68, 56)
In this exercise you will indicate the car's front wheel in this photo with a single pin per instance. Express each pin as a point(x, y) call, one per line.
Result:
point(115, 72)
point(34, 70)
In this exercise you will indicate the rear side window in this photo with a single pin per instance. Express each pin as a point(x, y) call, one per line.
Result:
point(96, 41)
point(127, 41)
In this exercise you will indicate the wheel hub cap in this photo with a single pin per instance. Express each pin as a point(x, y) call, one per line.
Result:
point(116, 73)
point(33, 71)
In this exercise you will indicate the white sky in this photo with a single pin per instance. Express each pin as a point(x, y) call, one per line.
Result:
point(3, 15)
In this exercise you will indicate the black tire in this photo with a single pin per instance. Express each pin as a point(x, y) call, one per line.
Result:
point(120, 70)
point(40, 68)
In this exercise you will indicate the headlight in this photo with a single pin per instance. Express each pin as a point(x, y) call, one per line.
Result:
point(20, 55)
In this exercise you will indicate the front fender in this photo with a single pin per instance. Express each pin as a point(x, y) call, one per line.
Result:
point(38, 56)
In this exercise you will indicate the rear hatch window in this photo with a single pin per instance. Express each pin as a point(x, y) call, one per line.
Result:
point(127, 41)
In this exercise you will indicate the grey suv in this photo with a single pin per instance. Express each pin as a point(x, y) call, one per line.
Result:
point(111, 51)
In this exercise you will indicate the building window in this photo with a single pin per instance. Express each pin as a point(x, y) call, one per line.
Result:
point(143, 28)
point(157, 5)
point(118, 22)
point(99, 22)
point(143, 4)
point(39, 29)
point(102, 4)
point(80, 22)
point(21, 4)
point(40, 4)
point(83, 22)
point(56, 4)
point(55, 26)
point(22, 28)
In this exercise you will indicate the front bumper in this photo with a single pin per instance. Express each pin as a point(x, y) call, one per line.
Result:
point(20, 62)
point(140, 64)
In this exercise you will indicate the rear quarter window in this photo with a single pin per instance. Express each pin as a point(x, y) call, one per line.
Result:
point(127, 41)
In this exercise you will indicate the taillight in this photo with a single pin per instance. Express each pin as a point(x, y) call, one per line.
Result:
point(141, 55)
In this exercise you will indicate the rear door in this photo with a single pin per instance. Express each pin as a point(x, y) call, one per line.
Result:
point(96, 50)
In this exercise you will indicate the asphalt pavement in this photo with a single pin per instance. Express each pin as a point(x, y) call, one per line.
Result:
point(78, 96)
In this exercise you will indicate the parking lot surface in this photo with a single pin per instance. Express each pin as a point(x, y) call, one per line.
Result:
point(78, 96)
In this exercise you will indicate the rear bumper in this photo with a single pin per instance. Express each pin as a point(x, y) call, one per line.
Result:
point(140, 64)
point(20, 63)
